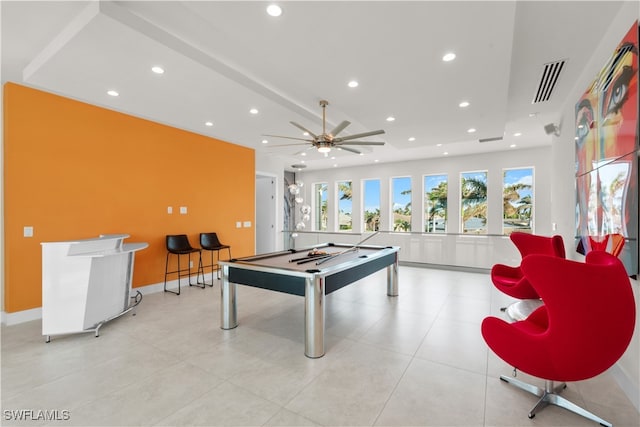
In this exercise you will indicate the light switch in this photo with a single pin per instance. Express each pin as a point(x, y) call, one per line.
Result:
point(169, 210)
point(247, 224)
point(183, 210)
point(28, 232)
point(238, 224)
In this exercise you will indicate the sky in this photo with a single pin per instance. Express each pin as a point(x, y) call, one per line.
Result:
point(371, 194)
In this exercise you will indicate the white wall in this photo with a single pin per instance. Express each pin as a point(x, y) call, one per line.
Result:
point(452, 249)
point(493, 163)
point(563, 196)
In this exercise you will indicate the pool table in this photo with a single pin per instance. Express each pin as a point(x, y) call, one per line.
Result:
point(312, 272)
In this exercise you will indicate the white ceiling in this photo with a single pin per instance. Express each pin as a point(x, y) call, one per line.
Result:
point(223, 58)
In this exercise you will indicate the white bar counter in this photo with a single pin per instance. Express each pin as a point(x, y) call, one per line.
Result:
point(86, 283)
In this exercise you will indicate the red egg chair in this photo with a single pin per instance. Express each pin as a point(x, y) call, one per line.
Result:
point(583, 328)
point(512, 282)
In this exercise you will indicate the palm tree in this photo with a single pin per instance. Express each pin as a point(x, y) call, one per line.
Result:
point(436, 202)
point(345, 191)
point(345, 188)
point(402, 215)
point(516, 206)
point(372, 220)
point(474, 199)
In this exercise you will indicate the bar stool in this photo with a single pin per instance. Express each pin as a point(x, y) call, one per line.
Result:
point(178, 244)
point(210, 242)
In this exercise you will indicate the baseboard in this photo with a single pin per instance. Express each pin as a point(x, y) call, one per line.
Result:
point(23, 316)
point(445, 267)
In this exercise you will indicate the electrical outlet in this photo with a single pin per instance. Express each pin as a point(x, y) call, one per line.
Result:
point(190, 264)
point(169, 210)
point(28, 232)
point(183, 210)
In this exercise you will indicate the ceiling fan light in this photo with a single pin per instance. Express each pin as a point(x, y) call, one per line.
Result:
point(324, 149)
point(274, 10)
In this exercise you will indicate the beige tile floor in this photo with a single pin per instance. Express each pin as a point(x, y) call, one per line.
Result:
point(414, 360)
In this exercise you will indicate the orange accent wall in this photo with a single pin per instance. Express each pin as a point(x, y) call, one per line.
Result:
point(74, 171)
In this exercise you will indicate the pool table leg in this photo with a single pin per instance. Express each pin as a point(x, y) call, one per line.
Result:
point(392, 278)
point(314, 317)
point(228, 302)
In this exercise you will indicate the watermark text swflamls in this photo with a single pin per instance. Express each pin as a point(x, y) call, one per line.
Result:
point(36, 414)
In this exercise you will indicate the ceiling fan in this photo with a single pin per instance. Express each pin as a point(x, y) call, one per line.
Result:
point(324, 142)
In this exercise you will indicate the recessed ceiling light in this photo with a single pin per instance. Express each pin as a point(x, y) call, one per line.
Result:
point(512, 146)
point(335, 166)
point(463, 104)
point(517, 134)
point(352, 83)
point(412, 139)
point(471, 130)
point(533, 114)
point(446, 153)
point(449, 57)
point(333, 157)
point(376, 160)
point(303, 154)
point(390, 118)
point(112, 93)
point(305, 133)
point(253, 111)
point(274, 10)
point(265, 141)
point(157, 70)
point(208, 124)
point(362, 154)
point(438, 145)
point(301, 161)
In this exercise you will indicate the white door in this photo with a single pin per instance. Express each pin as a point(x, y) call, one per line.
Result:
point(265, 214)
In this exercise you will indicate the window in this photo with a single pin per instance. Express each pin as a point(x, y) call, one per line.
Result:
point(517, 200)
point(371, 204)
point(435, 203)
point(320, 206)
point(473, 190)
point(345, 206)
point(401, 203)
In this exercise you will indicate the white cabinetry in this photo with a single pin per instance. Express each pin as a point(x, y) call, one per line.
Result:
point(86, 283)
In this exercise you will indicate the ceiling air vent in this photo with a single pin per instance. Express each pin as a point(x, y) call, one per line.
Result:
point(495, 138)
point(548, 80)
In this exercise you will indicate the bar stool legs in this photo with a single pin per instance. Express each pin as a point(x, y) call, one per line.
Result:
point(179, 245)
point(209, 242)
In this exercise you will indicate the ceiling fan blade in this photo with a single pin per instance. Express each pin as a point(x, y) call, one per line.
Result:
point(340, 128)
point(359, 143)
point(290, 137)
point(359, 135)
point(349, 149)
point(287, 145)
point(302, 128)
